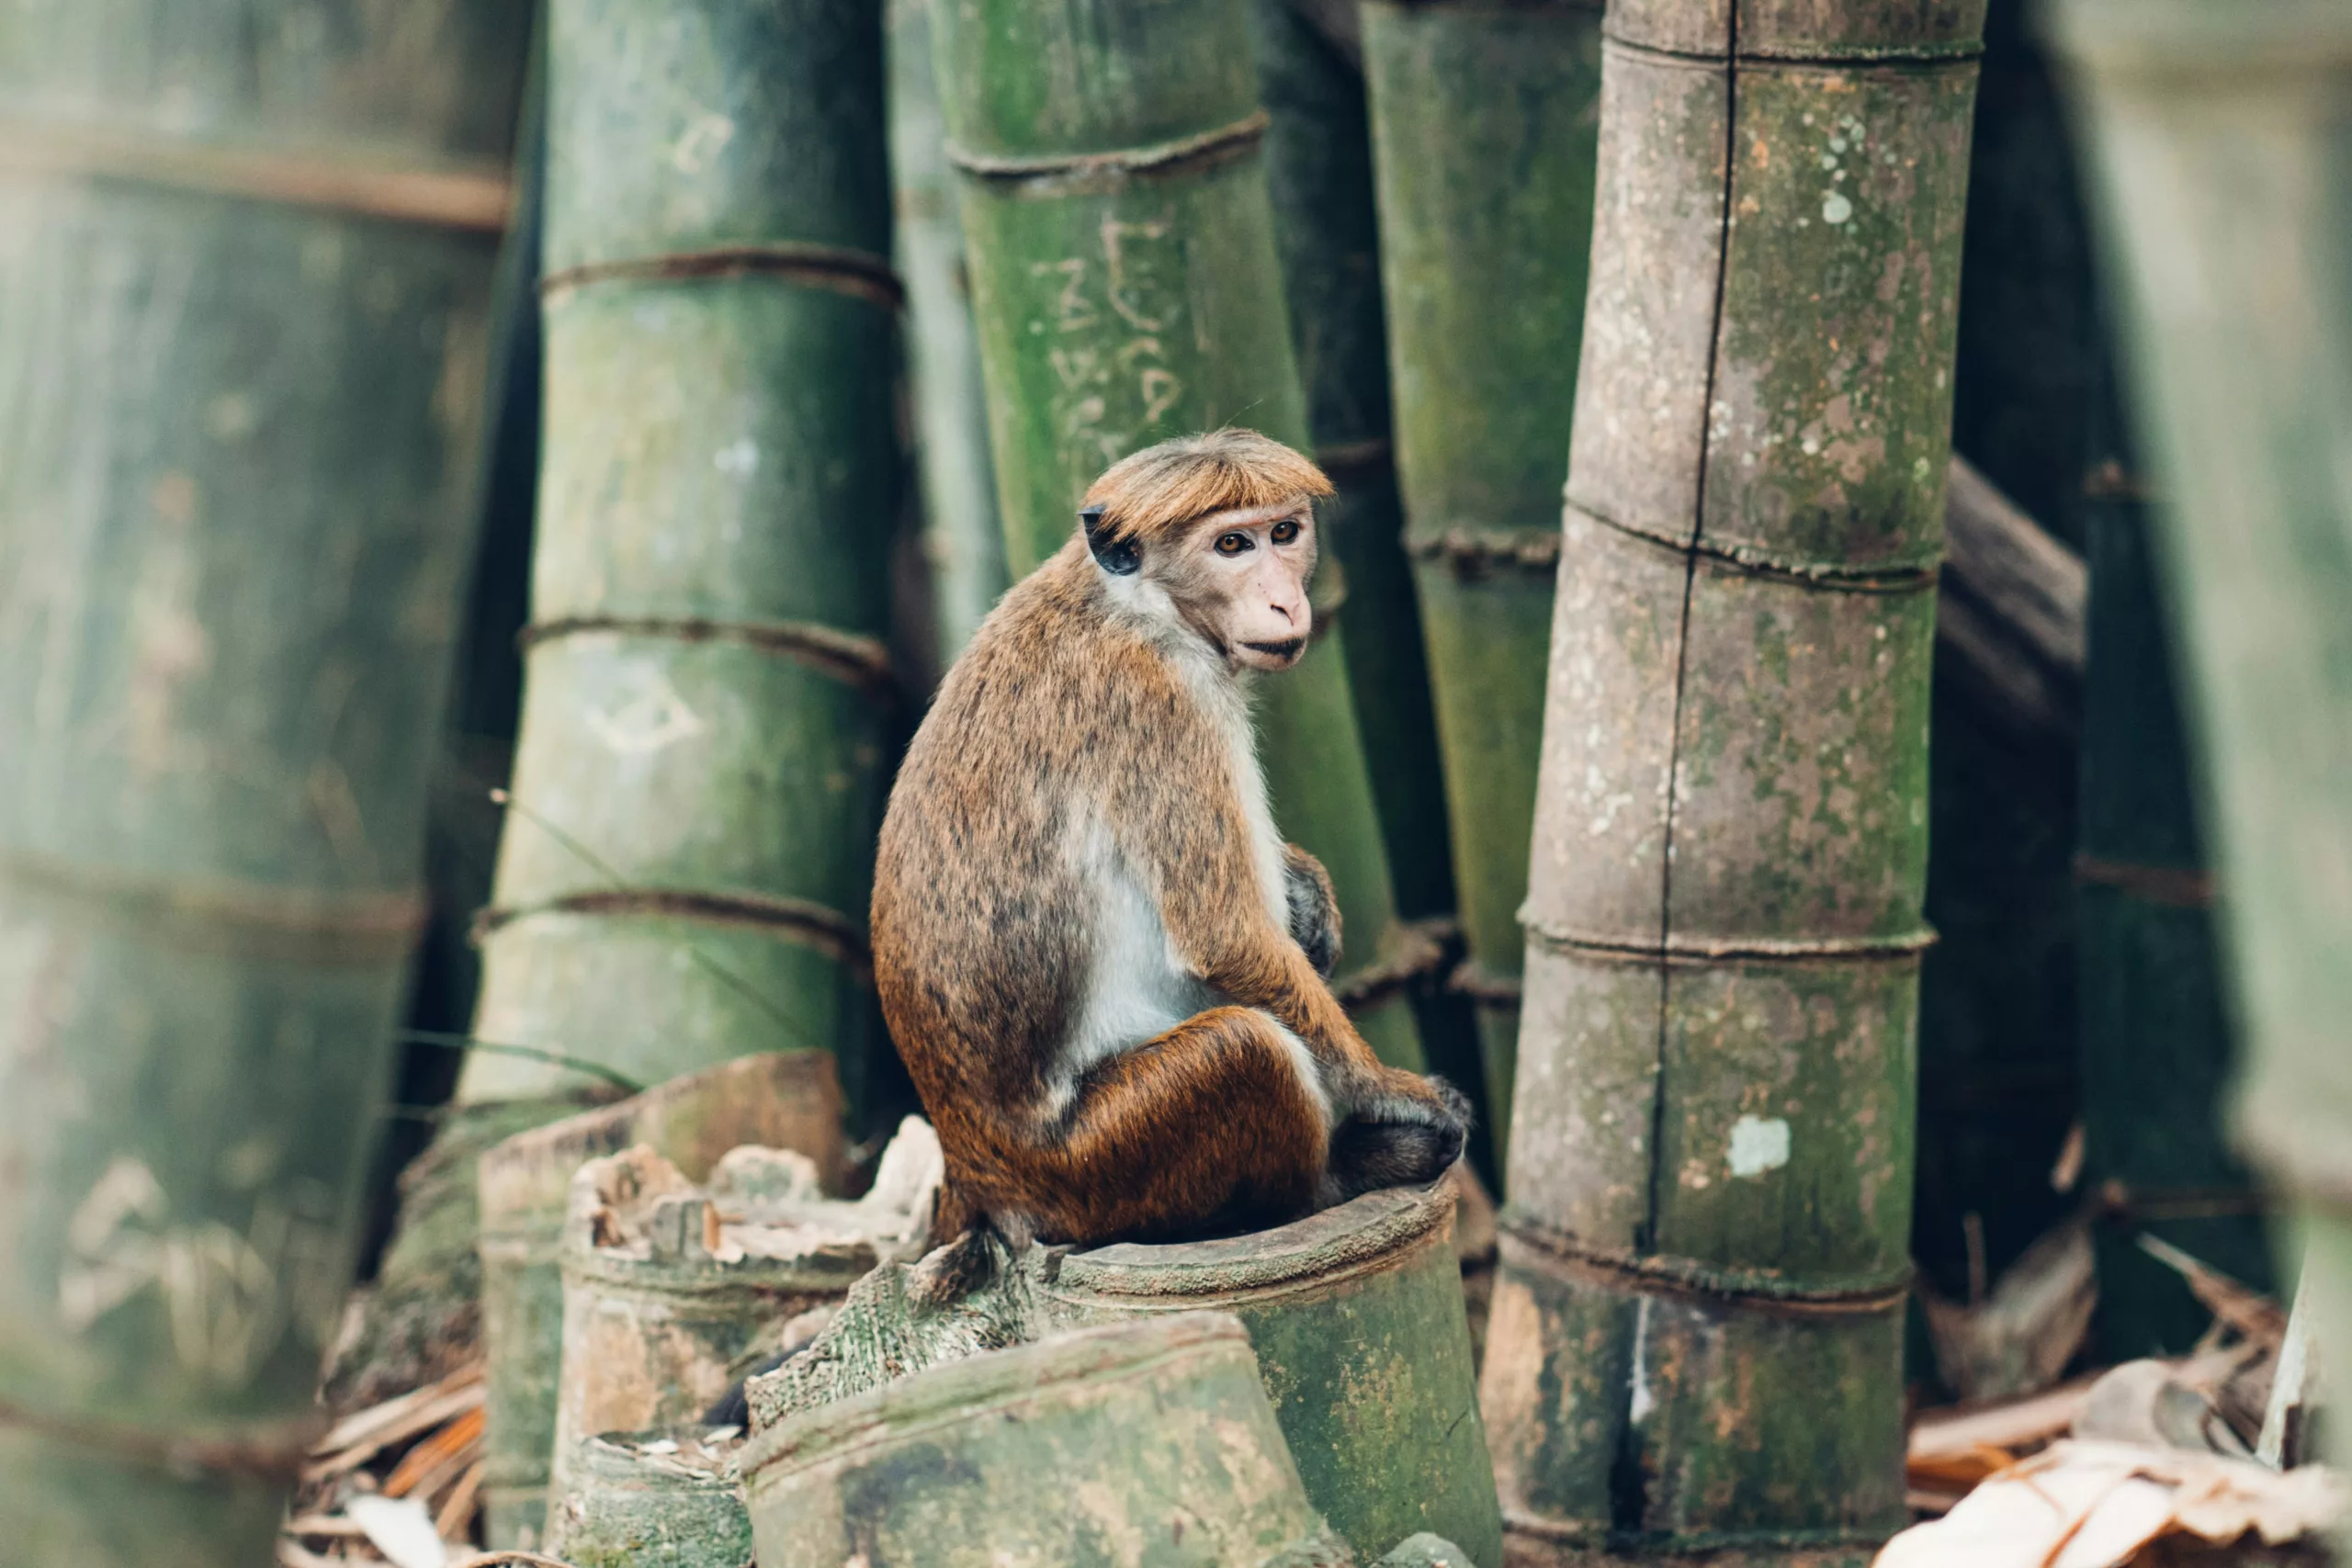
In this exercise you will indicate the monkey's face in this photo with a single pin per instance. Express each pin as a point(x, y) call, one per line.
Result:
point(1241, 578)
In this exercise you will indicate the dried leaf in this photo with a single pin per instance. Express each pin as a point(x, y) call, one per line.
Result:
point(401, 1529)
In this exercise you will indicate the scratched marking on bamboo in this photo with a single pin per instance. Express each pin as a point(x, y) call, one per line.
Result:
point(1109, 400)
point(228, 1298)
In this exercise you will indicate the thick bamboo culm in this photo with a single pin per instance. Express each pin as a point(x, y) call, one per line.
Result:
point(2217, 132)
point(1696, 1339)
point(963, 540)
point(1319, 169)
point(684, 870)
point(1126, 288)
point(1484, 114)
point(246, 295)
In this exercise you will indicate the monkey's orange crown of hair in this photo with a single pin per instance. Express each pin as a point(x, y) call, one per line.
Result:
point(1147, 494)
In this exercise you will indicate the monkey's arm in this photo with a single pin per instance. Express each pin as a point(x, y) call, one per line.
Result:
point(1313, 908)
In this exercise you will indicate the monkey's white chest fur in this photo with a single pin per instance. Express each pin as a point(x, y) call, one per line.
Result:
point(1137, 985)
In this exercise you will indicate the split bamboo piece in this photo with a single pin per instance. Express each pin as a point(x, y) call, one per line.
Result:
point(1126, 288)
point(1696, 1339)
point(245, 295)
point(685, 864)
point(1483, 116)
point(2218, 134)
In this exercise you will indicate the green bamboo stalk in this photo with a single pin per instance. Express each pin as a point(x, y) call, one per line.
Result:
point(1483, 114)
point(2218, 134)
point(2157, 1051)
point(1318, 172)
point(1126, 285)
point(1696, 1339)
point(702, 759)
point(244, 303)
point(962, 539)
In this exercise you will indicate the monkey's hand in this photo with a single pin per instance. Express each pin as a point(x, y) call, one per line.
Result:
point(1313, 908)
point(1406, 1134)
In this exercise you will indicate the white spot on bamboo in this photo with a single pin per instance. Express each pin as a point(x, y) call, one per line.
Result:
point(1640, 1405)
point(1836, 207)
point(1759, 1144)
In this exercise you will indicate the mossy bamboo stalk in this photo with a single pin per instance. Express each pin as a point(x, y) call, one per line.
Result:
point(1356, 1318)
point(246, 282)
point(1484, 113)
point(962, 539)
point(2218, 134)
point(1696, 1340)
point(1127, 289)
point(701, 766)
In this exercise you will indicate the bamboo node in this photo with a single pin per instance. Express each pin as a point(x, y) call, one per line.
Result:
point(1209, 147)
point(276, 1452)
point(860, 273)
point(1418, 950)
point(1472, 550)
point(2180, 887)
point(1555, 1251)
point(1681, 949)
point(862, 661)
point(1486, 986)
point(452, 198)
point(1825, 576)
point(240, 914)
point(798, 920)
point(1960, 51)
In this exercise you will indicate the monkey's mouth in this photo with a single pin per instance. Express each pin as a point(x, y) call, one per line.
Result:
point(1286, 651)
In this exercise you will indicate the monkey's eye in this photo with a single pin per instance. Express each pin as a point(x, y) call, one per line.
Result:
point(1285, 531)
point(1233, 544)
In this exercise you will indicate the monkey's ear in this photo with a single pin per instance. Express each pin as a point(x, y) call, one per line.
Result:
point(1118, 556)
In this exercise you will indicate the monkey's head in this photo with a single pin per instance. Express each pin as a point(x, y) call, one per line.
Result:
point(1213, 535)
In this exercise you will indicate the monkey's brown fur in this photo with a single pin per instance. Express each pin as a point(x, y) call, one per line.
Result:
point(1081, 759)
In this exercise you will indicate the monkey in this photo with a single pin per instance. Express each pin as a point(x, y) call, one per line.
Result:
point(1104, 969)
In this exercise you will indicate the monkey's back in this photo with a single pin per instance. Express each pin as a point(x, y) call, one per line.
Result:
point(980, 919)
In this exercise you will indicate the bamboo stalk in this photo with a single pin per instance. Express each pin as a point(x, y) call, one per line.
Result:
point(684, 869)
point(1318, 172)
point(1696, 1339)
point(242, 367)
point(1483, 118)
point(1127, 289)
point(2216, 133)
point(962, 539)
point(2157, 1051)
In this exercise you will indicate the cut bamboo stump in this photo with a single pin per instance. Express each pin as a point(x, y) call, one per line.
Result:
point(672, 1292)
point(1357, 1318)
point(788, 1099)
point(669, 1498)
point(245, 295)
point(700, 773)
point(1696, 1339)
point(2218, 134)
point(1126, 288)
point(1146, 1441)
point(1483, 120)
